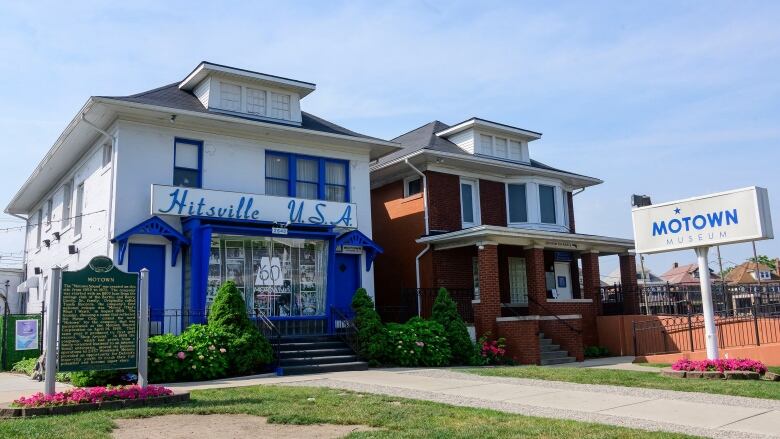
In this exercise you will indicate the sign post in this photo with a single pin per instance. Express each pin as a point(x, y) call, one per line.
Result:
point(741, 215)
point(143, 329)
point(50, 366)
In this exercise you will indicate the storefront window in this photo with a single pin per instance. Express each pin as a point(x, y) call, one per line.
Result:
point(278, 276)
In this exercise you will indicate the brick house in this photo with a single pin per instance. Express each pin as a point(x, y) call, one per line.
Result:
point(465, 207)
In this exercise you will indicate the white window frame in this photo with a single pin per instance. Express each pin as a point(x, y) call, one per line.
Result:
point(49, 212)
point(78, 220)
point(241, 99)
point(39, 229)
point(492, 148)
point(527, 204)
point(274, 112)
point(67, 203)
point(533, 204)
point(408, 180)
point(474, 202)
point(523, 298)
point(108, 151)
point(265, 94)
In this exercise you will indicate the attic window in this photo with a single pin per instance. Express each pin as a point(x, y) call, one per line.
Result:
point(230, 97)
point(255, 101)
point(280, 106)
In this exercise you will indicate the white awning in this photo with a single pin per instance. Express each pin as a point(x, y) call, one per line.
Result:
point(26, 285)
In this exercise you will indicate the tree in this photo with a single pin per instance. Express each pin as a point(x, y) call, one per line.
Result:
point(371, 331)
point(765, 260)
point(445, 311)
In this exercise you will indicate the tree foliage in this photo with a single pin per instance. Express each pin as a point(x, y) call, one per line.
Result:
point(445, 312)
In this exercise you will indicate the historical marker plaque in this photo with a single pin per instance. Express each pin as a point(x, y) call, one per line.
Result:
point(98, 318)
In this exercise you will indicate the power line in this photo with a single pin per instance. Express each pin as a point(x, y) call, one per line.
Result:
point(19, 228)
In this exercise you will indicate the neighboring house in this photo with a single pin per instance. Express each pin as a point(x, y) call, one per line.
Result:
point(746, 273)
point(466, 207)
point(685, 275)
point(10, 278)
point(220, 176)
point(650, 278)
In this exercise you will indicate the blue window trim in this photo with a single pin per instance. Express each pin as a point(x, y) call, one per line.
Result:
point(292, 173)
point(199, 144)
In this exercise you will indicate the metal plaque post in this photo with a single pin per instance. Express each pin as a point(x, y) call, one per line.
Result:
point(710, 334)
point(143, 329)
point(51, 331)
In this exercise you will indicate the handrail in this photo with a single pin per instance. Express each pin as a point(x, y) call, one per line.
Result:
point(277, 335)
point(577, 331)
point(353, 342)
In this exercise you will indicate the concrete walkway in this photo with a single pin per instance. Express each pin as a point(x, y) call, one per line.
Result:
point(14, 385)
point(699, 414)
point(616, 363)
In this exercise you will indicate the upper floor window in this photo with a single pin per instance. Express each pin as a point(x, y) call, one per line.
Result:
point(107, 152)
point(280, 106)
point(412, 186)
point(515, 150)
point(38, 229)
point(765, 275)
point(67, 194)
point(547, 203)
point(49, 208)
point(306, 177)
point(469, 203)
point(230, 97)
point(187, 163)
point(77, 220)
point(518, 204)
point(255, 101)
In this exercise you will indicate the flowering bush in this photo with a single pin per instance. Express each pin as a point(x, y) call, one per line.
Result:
point(720, 365)
point(199, 353)
point(92, 395)
point(417, 342)
point(492, 351)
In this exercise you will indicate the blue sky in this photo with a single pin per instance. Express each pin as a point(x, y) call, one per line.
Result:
point(670, 99)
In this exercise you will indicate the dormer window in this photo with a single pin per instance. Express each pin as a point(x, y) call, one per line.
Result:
point(280, 106)
point(230, 97)
point(500, 147)
point(255, 101)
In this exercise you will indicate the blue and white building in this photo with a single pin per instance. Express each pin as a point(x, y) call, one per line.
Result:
point(220, 176)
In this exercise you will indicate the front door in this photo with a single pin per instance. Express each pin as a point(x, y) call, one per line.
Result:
point(347, 280)
point(151, 257)
point(563, 280)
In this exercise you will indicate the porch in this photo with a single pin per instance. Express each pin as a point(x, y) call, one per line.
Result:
point(527, 282)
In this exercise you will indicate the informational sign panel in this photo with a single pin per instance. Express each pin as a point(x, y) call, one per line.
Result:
point(26, 335)
point(98, 318)
point(723, 218)
point(182, 201)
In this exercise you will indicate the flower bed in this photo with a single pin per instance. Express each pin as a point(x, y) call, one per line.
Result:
point(720, 365)
point(93, 395)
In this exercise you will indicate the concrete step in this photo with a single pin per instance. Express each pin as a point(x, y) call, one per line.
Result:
point(302, 346)
point(561, 360)
point(545, 341)
point(308, 338)
point(322, 368)
point(549, 347)
point(314, 353)
point(306, 361)
point(554, 354)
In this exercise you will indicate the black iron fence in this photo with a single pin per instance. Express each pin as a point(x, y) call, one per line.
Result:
point(747, 326)
point(175, 321)
point(410, 300)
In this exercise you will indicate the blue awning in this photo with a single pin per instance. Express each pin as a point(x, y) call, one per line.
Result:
point(156, 227)
point(358, 239)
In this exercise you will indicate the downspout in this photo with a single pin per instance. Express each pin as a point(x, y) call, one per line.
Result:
point(110, 217)
point(427, 231)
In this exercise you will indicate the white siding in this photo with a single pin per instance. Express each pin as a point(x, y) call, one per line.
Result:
point(202, 91)
point(464, 139)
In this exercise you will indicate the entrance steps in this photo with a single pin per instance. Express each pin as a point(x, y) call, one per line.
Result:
point(552, 353)
point(316, 354)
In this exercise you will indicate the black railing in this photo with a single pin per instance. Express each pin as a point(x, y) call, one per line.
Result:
point(748, 326)
point(412, 299)
point(344, 327)
point(270, 331)
point(551, 313)
point(612, 300)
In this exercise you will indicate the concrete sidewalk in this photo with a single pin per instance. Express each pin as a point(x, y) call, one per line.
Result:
point(14, 385)
point(693, 413)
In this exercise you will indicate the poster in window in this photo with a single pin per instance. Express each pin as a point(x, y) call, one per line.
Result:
point(561, 281)
point(26, 335)
point(235, 272)
point(234, 250)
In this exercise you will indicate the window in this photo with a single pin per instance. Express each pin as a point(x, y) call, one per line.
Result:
point(547, 203)
point(515, 150)
point(255, 101)
point(187, 161)
point(765, 275)
point(475, 275)
point(485, 144)
point(307, 178)
point(335, 181)
point(67, 194)
point(468, 203)
point(49, 207)
point(412, 186)
point(280, 106)
point(315, 178)
point(518, 282)
point(277, 175)
point(500, 145)
point(230, 97)
point(107, 152)
point(518, 205)
point(79, 209)
point(38, 229)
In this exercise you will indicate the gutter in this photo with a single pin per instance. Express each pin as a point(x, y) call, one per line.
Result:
point(111, 186)
point(427, 230)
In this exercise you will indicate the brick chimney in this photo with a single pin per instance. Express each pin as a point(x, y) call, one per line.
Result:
point(777, 266)
point(676, 265)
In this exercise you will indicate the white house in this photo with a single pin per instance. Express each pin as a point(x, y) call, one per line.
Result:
point(10, 278)
point(220, 176)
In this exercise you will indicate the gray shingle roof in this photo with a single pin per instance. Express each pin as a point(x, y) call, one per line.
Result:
point(171, 96)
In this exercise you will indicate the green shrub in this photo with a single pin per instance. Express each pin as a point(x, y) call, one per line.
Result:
point(93, 378)
point(163, 365)
point(248, 350)
point(371, 332)
point(27, 367)
point(417, 342)
point(199, 353)
point(596, 351)
point(445, 312)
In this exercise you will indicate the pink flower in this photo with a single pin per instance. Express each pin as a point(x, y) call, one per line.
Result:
point(420, 344)
point(190, 348)
point(181, 355)
point(222, 350)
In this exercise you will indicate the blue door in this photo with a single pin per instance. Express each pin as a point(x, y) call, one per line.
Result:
point(347, 281)
point(151, 257)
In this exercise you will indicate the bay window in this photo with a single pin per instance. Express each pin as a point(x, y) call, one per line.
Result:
point(469, 203)
point(518, 204)
point(316, 178)
point(547, 204)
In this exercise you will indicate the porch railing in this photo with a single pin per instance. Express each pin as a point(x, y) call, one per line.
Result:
point(344, 327)
point(557, 317)
point(410, 298)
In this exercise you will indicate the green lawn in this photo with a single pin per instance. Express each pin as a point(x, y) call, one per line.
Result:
point(396, 417)
point(651, 380)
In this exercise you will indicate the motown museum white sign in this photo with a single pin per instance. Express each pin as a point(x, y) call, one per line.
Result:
point(728, 217)
point(183, 201)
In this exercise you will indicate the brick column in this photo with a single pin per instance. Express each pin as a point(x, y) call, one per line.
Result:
point(628, 281)
point(489, 307)
point(537, 284)
point(591, 278)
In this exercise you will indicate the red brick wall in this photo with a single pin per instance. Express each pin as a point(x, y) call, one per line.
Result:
point(522, 340)
point(570, 201)
point(588, 325)
point(492, 202)
point(443, 201)
point(489, 308)
point(537, 285)
point(453, 268)
point(563, 335)
point(628, 281)
point(591, 278)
